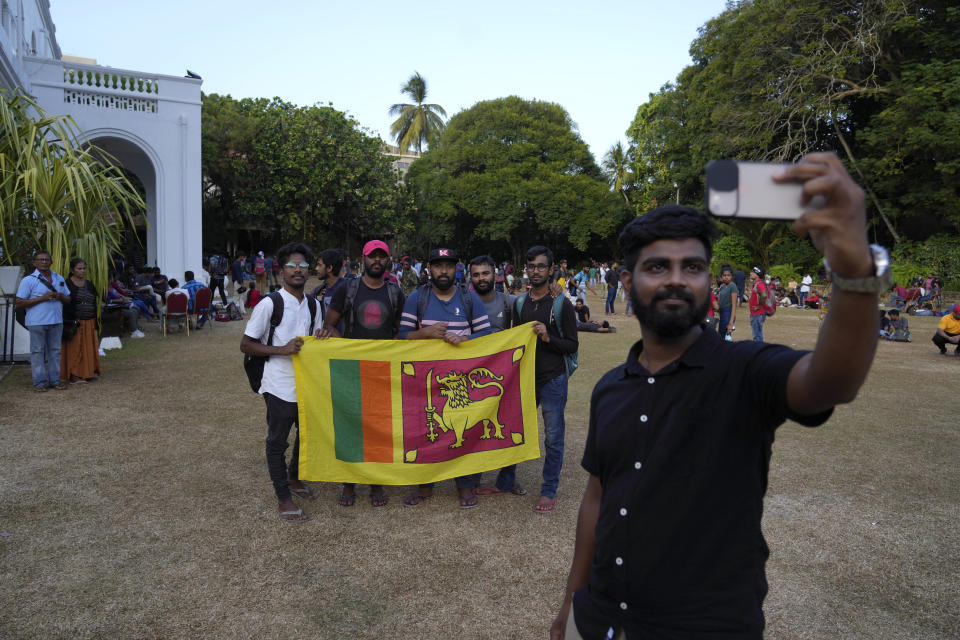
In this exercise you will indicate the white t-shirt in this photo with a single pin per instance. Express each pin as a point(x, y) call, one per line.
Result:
point(278, 378)
point(805, 283)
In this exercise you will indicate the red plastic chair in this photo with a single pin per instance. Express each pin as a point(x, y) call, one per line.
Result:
point(176, 309)
point(202, 300)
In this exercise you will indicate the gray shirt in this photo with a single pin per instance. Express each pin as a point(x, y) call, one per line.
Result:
point(500, 310)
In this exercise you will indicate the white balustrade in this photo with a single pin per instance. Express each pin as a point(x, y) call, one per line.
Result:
point(110, 101)
point(107, 79)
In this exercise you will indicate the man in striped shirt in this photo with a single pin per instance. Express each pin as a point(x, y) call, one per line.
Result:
point(442, 311)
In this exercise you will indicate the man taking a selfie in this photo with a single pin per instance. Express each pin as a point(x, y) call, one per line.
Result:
point(669, 542)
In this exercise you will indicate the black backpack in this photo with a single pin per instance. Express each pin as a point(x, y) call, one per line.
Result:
point(349, 312)
point(423, 299)
point(253, 365)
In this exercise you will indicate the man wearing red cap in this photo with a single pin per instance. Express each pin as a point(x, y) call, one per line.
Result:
point(370, 308)
point(948, 331)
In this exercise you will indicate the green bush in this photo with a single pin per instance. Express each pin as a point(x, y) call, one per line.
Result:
point(731, 250)
point(905, 272)
point(785, 272)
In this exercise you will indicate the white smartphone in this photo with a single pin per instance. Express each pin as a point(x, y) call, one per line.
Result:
point(747, 190)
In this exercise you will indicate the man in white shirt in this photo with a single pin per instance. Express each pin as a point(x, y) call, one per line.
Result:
point(278, 386)
point(805, 289)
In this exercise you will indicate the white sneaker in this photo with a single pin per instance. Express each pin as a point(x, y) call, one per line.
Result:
point(102, 353)
point(137, 334)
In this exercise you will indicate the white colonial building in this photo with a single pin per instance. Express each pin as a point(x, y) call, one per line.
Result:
point(148, 122)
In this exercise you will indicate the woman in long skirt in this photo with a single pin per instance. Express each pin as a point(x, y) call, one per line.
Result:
point(80, 356)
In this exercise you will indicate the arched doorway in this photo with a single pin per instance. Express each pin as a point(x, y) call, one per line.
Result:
point(137, 157)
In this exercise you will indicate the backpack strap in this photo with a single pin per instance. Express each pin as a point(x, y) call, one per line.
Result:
point(396, 300)
point(556, 313)
point(349, 317)
point(312, 305)
point(277, 316)
point(423, 298)
point(518, 304)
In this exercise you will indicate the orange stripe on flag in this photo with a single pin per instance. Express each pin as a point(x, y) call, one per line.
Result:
point(377, 411)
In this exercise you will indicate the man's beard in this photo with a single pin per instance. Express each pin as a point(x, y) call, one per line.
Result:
point(375, 269)
point(669, 325)
point(483, 286)
point(443, 283)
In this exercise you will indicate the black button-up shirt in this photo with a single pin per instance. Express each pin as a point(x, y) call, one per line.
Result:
point(682, 456)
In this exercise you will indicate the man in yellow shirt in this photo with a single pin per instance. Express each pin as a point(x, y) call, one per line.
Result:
point(948, 331)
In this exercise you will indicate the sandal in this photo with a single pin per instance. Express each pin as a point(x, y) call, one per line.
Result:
point(378, 499)
point(415, 500)
point(303, 492)
point(40, 389)
point(59, 386)
point(293, 516)
point(545, 505)
point(347, 500)
point(469, 502)
point(492, 490)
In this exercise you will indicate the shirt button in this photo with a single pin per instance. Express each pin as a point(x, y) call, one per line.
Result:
point(637, 464)
point(643, 418)
point(623, 511)
point(623, 605)
point(650, 380)
point(619, 561)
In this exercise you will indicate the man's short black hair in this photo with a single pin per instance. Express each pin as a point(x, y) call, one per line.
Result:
point(539, 250)
point(333, 260)
point(894, 311)
point(188, 276)
point(484, 259)
point(287, 250)
point(670, 222)
point(41, 252)
point(173, 283)
point(726, 267)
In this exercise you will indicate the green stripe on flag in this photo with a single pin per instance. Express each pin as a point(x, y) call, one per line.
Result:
point(347, 410)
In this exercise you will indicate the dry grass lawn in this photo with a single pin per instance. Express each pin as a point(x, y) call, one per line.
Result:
point(139, 507)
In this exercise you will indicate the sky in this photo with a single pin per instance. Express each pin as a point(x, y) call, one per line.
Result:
point(600, 60)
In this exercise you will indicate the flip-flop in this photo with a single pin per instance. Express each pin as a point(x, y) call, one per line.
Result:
point(415, 500)
point(40, 389)
point(303, 492)
point(545, 505)
point(469, 502)
point(492, 490)
point(58, 387)
point(347, 500)
point(378, 499)
point(80, 381)
point(299, 512)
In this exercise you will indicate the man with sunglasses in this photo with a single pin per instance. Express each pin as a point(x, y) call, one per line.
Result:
point(551, 369)
point(278, 386)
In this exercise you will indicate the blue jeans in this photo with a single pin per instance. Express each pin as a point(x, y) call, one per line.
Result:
point(552, 400)
point(45, 353)
point(756, 325)
point(611, 297)
point(725, 313)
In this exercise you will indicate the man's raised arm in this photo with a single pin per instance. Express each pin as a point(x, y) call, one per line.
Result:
point(836, 369)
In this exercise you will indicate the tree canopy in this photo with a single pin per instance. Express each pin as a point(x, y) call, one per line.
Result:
point(288, 171)
point(876, 81)
point(516, 172)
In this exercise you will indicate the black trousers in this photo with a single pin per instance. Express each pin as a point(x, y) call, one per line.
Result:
point(942, 343)
point(216, 282)
point(281, 416)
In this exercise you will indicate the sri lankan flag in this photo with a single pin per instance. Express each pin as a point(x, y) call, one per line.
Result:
point(412, 411)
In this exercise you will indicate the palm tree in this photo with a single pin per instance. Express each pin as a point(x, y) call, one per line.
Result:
point(56, 193)
point(616, 167)
point(419, 123)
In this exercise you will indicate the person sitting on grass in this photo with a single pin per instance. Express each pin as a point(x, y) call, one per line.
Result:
point(584, 323)
point(899, 327)
point(948, 331)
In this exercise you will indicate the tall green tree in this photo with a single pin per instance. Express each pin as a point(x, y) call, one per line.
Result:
point(285, 170)
point(512, 171)
point(418, 123)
